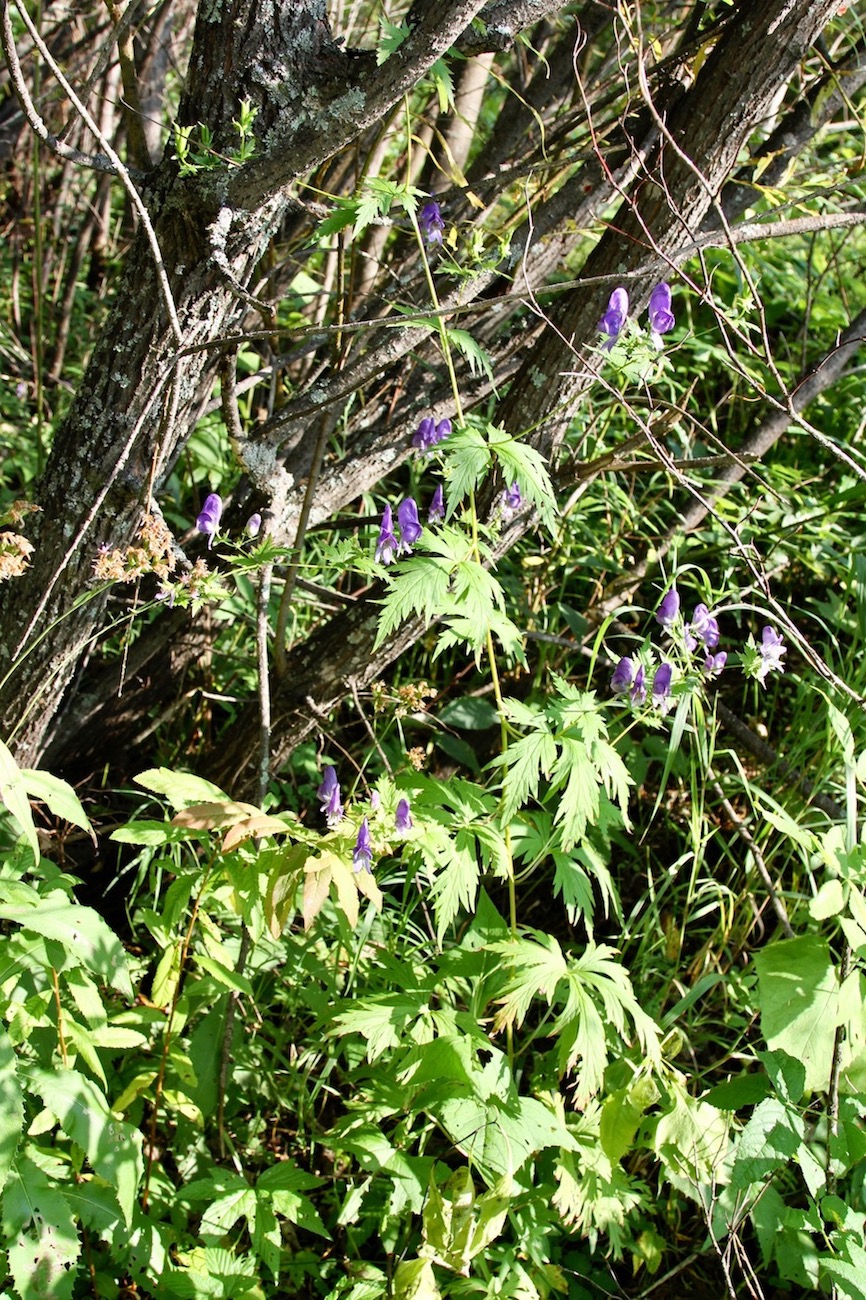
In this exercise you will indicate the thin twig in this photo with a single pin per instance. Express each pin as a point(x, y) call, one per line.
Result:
point(120, 168)
point(835, 1073)
point(746, 836)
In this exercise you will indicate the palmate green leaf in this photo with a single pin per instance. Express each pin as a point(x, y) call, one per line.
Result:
point(578, 800)
point(477, 357)
point(535, 968)
point(44, 1245)
point(526, 760)
point(524, 464)
point(180, 788)
point(467, 460)
point(113, 1147)
point(456, 883)
point(419, 587)
point(383, 1021)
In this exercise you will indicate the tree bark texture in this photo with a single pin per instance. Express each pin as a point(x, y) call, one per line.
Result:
point(664, 162)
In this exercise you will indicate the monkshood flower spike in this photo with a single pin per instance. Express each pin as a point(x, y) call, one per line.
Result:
point(614, 318)
point(410, 525)
point(387, 547)
point(429, 433)
point(662, 698)
point(403, 818)
point(623, 676)
point(770, 653)
point(703, 627)
point(430, 222)
point(208, 521)
point(661, 318)
point(362, 857)
point(668, 611)
point(329, 797)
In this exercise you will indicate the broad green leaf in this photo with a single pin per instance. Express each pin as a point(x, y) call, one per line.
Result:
point(44, 1246)
point(180, 788)
point(82, 932)
point(770, 1140)
point(799, 999)
point(59, 796)
point(113, 1147)
point(414, 1279)
point(11, 1106)
point(13, 792)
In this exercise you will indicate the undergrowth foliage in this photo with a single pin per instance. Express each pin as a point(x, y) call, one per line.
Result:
point(525, 982)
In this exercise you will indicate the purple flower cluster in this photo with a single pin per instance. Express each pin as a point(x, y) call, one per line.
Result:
point(208, 521)
point(661, 317)
point(388, 546)
point(331, 804)
point(430, 432)
point(430, 222)
point(766, 658)
point(697, 638)
point(701, 634)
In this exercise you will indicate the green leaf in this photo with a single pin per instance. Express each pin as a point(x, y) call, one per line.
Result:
point(471, 713)
point(113, 1147)
point(11, 1106)
point(180, 788)
point(59, 796)
point(467, 459)
point(414, 1279)
point(13, 792)
point(770, 1140)
point(83, 933)
point(799, 998)
point(43, 1241)
point(419, 587)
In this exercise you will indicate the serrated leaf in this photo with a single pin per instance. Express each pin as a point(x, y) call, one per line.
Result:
point(420, 587)
point(258, 826)
point(282, 887)
point(113, 1147)
point(11, 1106)
point(82, 932)
point(43, 1241)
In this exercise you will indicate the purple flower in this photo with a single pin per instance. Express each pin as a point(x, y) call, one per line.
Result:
point(425, 435)
point(613, 319)
point(703, 627)
point(410, 526)
point(443, 429)
point(208, 521)
point(375, 801)
point(668, 611)
point(362, 857)
point(431, 223)
point(437, 506)
point(387, 547)
point(403, 818)
point(254, 524)
point(511, 500)
point(662, 687)
point(661, 318)
point(770, 651)
point(623, 676)
point(329, 797)
point(713, 664)
point(638, 690)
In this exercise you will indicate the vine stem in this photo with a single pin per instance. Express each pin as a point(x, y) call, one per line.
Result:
point(169, 1029)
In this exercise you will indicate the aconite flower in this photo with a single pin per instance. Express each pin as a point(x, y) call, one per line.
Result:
point(614, 318)
point(362, 856)
point(208, 520)
point(387, 547)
